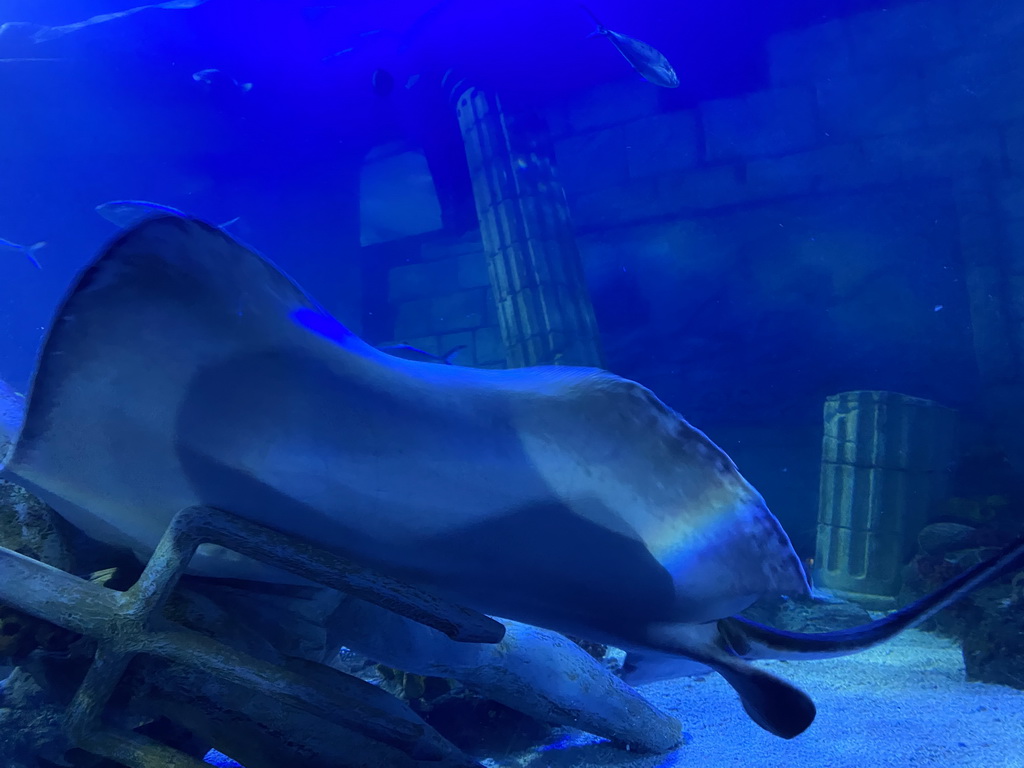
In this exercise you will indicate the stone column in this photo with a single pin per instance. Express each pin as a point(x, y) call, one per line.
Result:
point(885, 463)
point(544, 308)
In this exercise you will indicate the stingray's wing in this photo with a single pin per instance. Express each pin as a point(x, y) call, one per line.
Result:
point(181, 370)
point(591, 433)
point(101, 440)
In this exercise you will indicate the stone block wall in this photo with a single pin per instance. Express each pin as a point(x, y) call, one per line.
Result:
point(932, 89)
point(440, 297)
point(844, 227)
point(923, 100)
point(857, 224)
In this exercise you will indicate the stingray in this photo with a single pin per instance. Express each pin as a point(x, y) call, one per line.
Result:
point(182, 368)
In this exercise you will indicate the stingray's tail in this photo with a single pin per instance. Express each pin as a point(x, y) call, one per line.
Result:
point(751, 640)
point(780, 707)
point(775, 704)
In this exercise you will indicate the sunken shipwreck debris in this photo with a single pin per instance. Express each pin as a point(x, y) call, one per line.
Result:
point(128, 664)
point(145, 667)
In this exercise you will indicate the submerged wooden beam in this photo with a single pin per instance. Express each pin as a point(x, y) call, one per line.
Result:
point(126, 625)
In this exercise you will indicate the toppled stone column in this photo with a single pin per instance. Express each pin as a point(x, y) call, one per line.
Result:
point(544, 308)
point(885, 460)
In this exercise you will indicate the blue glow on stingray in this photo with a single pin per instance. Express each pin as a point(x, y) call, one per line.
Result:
point(213, 757)
point(322, 324)
point(570, 741)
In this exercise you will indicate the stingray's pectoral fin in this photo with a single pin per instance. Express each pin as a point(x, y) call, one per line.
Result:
point(774, 704)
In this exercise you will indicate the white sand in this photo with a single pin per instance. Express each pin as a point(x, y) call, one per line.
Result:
point(906, 703)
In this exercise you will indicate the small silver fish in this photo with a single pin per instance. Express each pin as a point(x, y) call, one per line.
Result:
point(356, 43)
point(649, 62)
point(33, 58)
point(28, 251)
point(210, 77)
point(336, 54)
point(128, 213)
point(21, 30)
point(408, 352)
point(38, 33)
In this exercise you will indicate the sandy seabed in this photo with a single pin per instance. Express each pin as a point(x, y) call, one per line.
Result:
point(905, 703)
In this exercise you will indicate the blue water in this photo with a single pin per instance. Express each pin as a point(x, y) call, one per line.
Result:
point(831, 200)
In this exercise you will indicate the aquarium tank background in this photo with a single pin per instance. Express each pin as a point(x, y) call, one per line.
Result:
point(798, 224)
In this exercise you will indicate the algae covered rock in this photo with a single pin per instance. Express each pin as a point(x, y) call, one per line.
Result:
point(821, 613)
point(29, 526)
point(12, 411)
point(938, 538)
point(994, 646)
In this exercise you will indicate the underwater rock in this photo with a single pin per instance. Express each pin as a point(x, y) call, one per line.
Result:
point(927, 572)
point(939, 538)
point(21, 634)
point(994, 645)
point(480, 726)
point(29, 526)
point(818, 616)
point(357, 665)
point(598, 650)
point(963, 559)
point(474, 723)
point(12, 411)
point(33, 701)
point(971, 530)
point(808, 614)
point(982, 512)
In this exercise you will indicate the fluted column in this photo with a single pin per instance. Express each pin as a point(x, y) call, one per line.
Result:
point(544, 307)
point(885, 465)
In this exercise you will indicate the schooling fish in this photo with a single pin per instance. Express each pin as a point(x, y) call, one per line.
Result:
point(408, 352)
point(566, 498)
point(128, 213)
point(28, 251)
point(649, 62)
